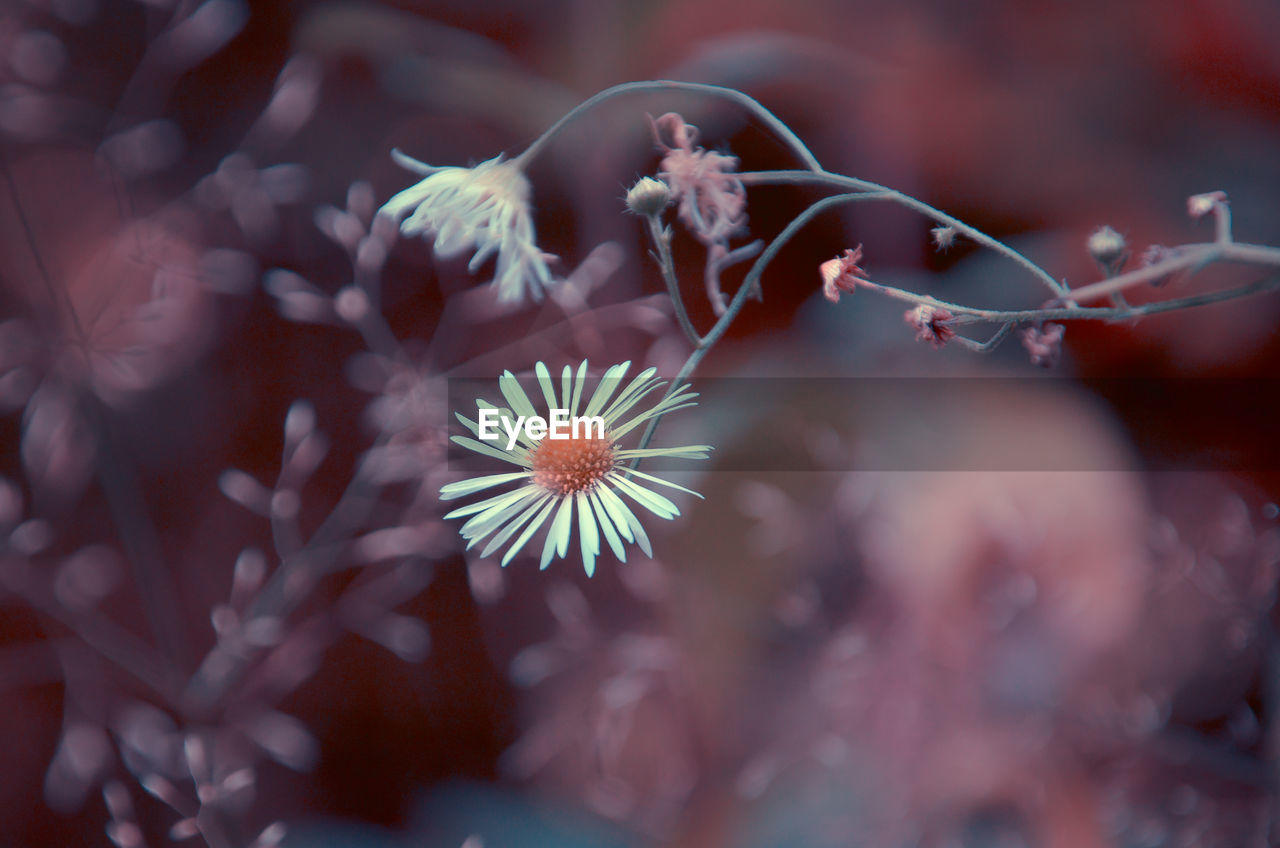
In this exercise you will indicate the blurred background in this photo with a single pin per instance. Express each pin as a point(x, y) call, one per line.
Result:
point(832, 648)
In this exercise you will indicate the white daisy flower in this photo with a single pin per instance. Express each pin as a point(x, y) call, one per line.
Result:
point(485, 208)
point(559, 474)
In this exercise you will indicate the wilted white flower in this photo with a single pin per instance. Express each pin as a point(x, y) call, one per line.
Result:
point(583, 470)
point(485, 208)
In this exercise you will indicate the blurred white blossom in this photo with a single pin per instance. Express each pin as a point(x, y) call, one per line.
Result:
point(485, 208)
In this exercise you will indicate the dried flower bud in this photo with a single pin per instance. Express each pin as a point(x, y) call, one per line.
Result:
point(1044, 344)
point(944, 236)
point(1199, 205)
point(648, 197)
point(841, 274)
point(931, 324)
point(1108, 249)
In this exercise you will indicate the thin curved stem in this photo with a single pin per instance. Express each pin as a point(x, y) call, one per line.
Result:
point(749, 283)
point(752, 280)
point(781, 130)
point(825, 178)
point(661, 237)
point(970, 315)
point(987, 346)
point(1191, 257)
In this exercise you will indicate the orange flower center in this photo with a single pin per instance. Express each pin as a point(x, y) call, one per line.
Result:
point(569, 466)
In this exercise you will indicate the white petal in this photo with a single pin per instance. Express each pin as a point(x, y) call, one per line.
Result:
point(544, 380)
point(503, 510)
point(410, 198)
point(639, 387)
point(514, 525)
point(514, 393)
point(660, 409)
point(453, 238)
point(566, 386)
point(609, 384)
point(528, 532)
point(558, 535)
point(477, 484)
point(404, 160)
point(588, 535)
point(468, 423)
point(682, 452)
point(633, 525)
point(606, 524)
point(652, 501)
point(490, 450)
point(484, 251)
point(662, 482)
point(617, 510)
point(480, 506)
point(577, 387)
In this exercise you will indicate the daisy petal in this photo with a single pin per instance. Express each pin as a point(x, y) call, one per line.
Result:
point(652, 501)
point(634, 527)
point(544, 380)
point(588, 535)
point(513, 525)
point(683, 452)
point(577, 387)
point(484, 523)
point(477, 484)
point(528, 532)
point(558, 535)
point(489, 450)
point(609, 384)
point(514, 393)
point(479, 506)
point(617, 511)
point(621, 431)
point(566, 385)
point(662, 482)
point(632, 393)
point(606, 525)
point(468, 423)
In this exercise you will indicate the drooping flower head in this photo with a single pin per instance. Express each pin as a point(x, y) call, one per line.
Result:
point(584, 470)
point(711, 200)
point(841, 274)
point(932, 324)
point(485, 208)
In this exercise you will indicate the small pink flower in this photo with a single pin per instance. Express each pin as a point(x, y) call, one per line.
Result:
point(1044, 343)
point(841, 274)
point(931, 324)
point(711, 200)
